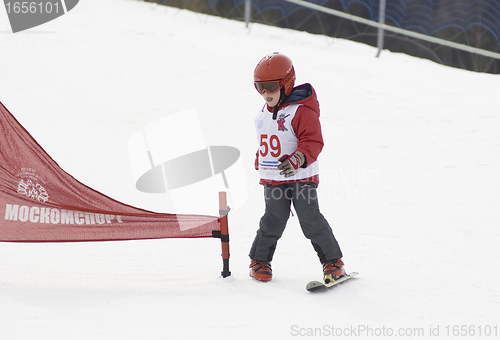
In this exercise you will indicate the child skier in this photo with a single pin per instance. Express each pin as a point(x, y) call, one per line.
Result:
point(289, 134)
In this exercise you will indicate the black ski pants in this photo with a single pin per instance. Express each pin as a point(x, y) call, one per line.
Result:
point(314, 226)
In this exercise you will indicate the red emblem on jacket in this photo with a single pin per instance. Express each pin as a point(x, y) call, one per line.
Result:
point(281, 122)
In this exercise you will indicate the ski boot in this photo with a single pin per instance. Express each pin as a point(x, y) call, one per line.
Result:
point(261, 270)
point(333, 270)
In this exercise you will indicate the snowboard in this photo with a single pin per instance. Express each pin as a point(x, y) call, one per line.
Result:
point(315, 286)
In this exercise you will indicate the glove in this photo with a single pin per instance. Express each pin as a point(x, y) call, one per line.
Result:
point(289, 165)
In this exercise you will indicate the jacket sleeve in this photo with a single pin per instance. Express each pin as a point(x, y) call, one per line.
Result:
point(307, 128)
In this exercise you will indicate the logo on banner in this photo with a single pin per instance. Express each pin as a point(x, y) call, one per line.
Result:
point(24, 15)
point(31, 185)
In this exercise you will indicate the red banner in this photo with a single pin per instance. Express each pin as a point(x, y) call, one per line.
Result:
point(40, 202)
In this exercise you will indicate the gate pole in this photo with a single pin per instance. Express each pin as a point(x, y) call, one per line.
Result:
point(224, 233)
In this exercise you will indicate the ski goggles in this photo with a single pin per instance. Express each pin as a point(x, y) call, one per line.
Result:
point(269, 86)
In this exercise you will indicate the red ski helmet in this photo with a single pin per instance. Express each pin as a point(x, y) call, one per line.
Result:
point(275, 67)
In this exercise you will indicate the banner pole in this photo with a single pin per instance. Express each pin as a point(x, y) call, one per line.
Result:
point(224, 233)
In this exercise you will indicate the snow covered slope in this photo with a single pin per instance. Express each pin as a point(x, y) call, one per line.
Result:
point(410, 183)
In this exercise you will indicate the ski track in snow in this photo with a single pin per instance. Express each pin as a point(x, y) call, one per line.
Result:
point(409, 182)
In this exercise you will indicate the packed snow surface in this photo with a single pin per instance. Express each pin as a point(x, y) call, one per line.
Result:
point(409, 183)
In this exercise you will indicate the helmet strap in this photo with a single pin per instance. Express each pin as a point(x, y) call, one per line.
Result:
point(283, 97)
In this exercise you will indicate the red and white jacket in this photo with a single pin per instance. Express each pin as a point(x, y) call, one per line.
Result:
point(296, 128)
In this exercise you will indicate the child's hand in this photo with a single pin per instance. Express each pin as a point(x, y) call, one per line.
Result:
point(289, 165)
